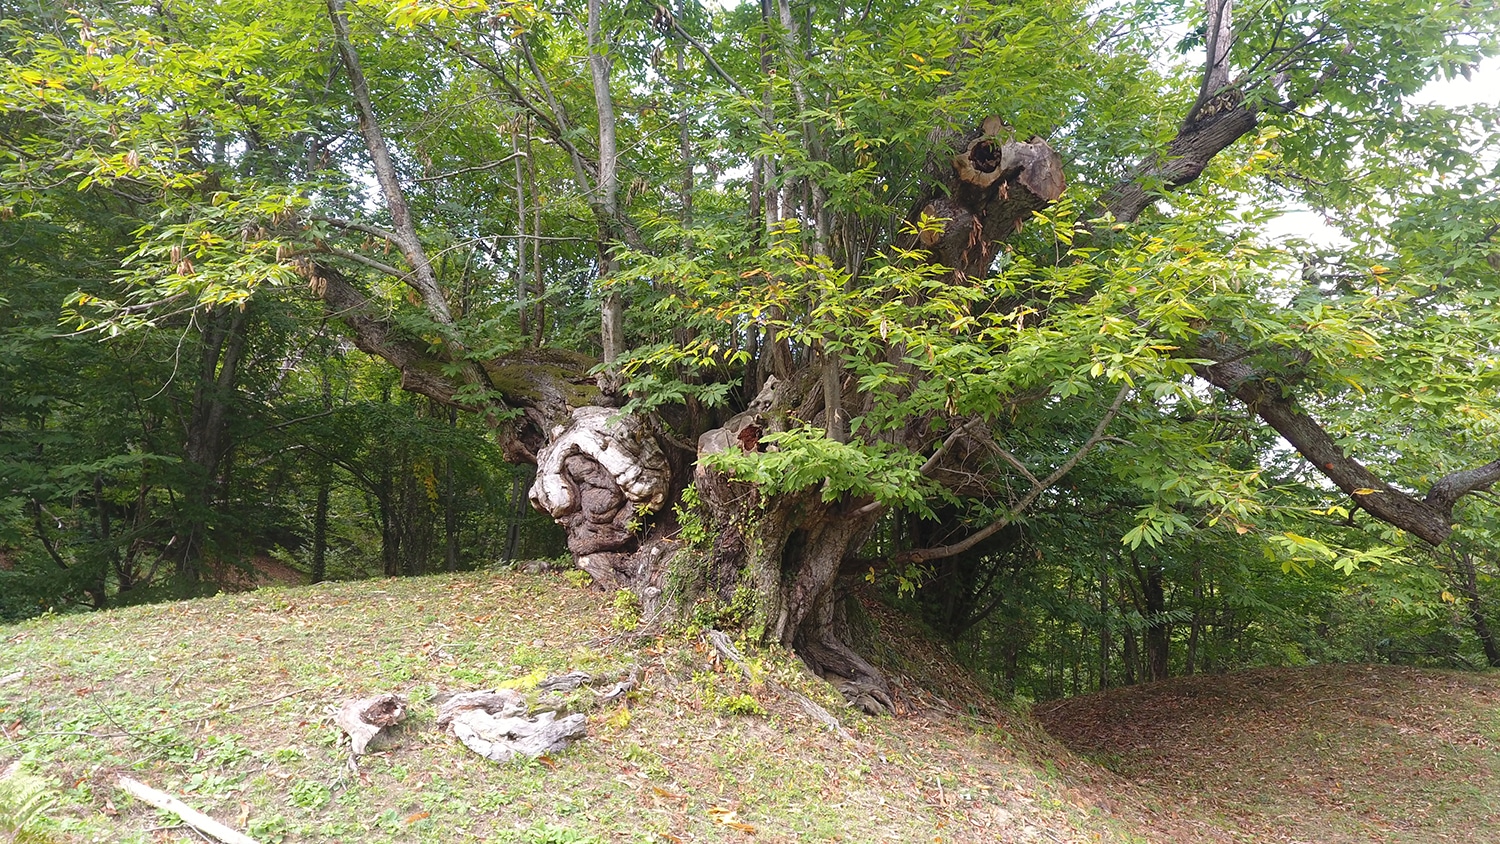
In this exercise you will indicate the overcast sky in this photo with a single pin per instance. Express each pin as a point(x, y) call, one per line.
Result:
point(1484, 87)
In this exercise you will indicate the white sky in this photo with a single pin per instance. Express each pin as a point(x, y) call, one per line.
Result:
point(1484, 87)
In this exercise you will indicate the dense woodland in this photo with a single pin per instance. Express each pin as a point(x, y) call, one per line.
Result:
point(747, 309)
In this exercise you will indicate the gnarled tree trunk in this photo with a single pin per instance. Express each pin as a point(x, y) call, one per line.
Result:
point(606, 476)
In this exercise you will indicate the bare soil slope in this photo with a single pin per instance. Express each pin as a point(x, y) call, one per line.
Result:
point(1321, 755)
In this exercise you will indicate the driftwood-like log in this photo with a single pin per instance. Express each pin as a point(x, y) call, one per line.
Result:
point(566, 682)
point(363, 719)
point(190, 816)
point(504, 703)
point(490, 723)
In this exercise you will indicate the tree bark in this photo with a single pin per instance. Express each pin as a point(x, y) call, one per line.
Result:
point(223, 347)
point(1466, 577)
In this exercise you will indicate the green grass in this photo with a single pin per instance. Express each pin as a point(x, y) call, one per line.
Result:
point(225, 703)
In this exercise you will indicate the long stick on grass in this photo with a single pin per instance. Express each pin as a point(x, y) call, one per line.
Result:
point(190, 816)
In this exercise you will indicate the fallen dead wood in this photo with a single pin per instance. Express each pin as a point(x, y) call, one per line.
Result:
point(493, 724)
point(363, 719)
point(190, 816)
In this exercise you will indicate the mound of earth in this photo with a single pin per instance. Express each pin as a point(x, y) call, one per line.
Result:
point(1318, 755)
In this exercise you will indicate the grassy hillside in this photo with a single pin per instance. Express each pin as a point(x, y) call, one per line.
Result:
point(225, 703)
point(1322, 755)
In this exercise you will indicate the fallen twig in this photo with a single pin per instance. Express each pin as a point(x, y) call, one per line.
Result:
point(190, 816)
point(255, 705)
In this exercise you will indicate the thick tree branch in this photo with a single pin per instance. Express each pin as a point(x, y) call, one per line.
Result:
point(422, 278)
point(420, 371)
point(1221, 122)
point(1218, 118)
point(1451, 487)
point(546, 385)
point(1430, 519)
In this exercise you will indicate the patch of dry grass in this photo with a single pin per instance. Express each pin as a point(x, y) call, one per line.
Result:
point(224, 702)
point(1322, 755)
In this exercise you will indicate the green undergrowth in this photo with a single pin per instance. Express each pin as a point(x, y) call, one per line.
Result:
point(225, 702)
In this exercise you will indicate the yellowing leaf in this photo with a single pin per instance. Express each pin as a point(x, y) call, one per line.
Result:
point(725, 816)
point(1365, 491)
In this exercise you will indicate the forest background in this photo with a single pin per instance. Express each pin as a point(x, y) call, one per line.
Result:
point(325, 285)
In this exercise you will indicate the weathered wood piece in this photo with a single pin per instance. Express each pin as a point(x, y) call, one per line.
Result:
point(620, 689)
point(490, 724)
point(363, 719)
point(190, 816)
point(565, 682)
point(504, 703)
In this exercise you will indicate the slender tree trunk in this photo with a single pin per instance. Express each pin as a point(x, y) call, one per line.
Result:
point(1104, 628)
point(607, 188)
point(320, 529)
point(218, 378)
point(422, 279)
point(1158, 631)
point(513, 524)
point(1193, 634)
point(1467, 580)
point(539, 285)
point(522, 304)
point(450, 507)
